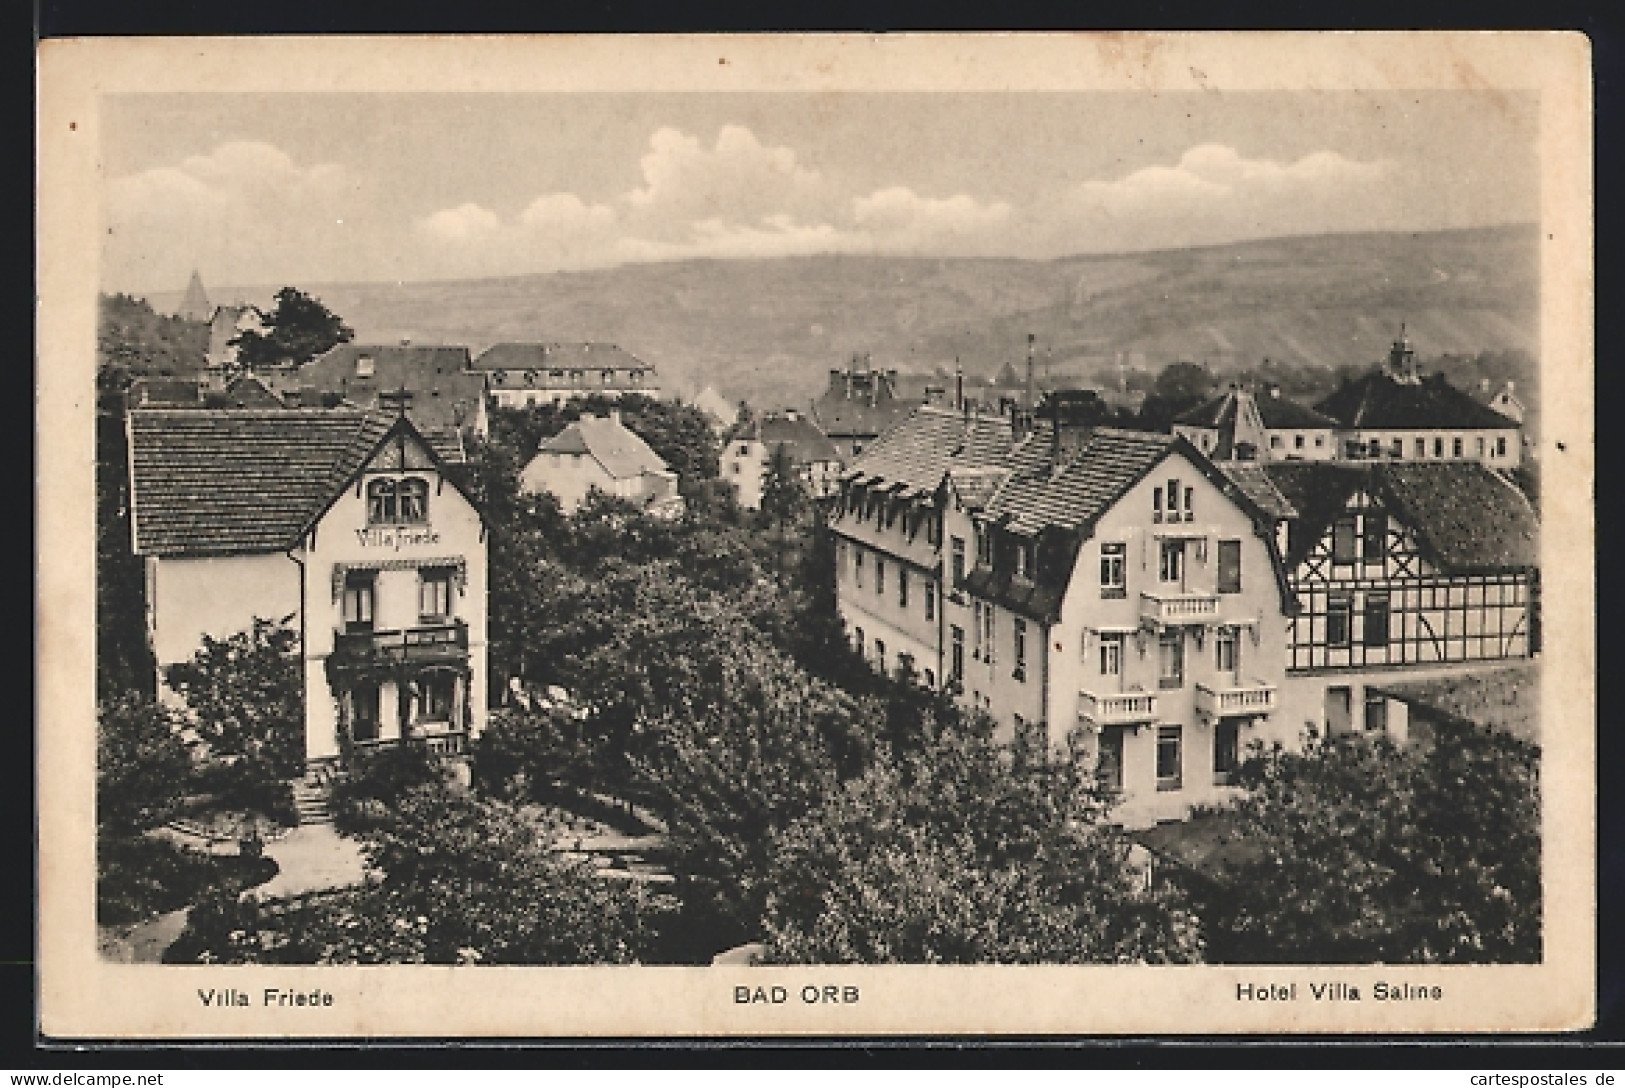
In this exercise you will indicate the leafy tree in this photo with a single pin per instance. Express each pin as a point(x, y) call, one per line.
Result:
point(1363, 852)
point(134, 341)
point(451, 879)
point(142, 764)
point(949, 855)
point(297, 329)
point(246, 694)
point(1183, 381)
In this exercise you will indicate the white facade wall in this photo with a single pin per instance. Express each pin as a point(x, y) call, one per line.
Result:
point(1484, 445)
point(744, 464)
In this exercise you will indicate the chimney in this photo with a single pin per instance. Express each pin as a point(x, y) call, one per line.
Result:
point(1032, 401)
point(406, 341)
point(615, 416)
point(959, 384)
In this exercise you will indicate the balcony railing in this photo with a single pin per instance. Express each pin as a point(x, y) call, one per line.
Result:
point(410, 646)
point(1174, 608)
point(1121, 708)
point(440, 743)
point(1235, 701)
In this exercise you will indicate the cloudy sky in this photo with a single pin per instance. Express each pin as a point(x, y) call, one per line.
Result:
point(321, 188)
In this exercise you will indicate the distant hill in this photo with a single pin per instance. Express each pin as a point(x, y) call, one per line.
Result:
point(770, 330)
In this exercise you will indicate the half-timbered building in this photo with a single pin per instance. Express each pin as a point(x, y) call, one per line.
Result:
point(1397, 568)
point(353, 525)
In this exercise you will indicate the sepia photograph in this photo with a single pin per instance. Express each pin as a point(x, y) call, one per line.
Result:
point(823, 528)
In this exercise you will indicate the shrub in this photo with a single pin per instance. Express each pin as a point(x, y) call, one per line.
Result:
point(140, 877)
point(364, 801)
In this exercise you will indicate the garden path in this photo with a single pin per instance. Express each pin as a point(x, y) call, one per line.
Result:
point(310, 858)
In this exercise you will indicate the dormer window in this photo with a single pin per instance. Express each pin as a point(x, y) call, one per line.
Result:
point(1024, 562)
point(397, 502)
point(364, 366)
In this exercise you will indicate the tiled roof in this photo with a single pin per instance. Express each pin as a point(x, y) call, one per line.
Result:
point(1468, 517)
point(515, 360)
point(1256, 484)
point(250, 392)
point(239, 481)
point(925, 444)
point(622, 453)
point(1276, 411)
point(445, 393)
point(1471, 518)
point(1377, 401)
point(1090, 480)
point(800, 436)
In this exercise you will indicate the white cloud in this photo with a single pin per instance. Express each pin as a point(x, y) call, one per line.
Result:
point(899, 218)
point(464, 223)
point(245, 210)
point(735, 198)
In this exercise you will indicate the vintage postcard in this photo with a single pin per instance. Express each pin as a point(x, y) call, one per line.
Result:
point(816, 535)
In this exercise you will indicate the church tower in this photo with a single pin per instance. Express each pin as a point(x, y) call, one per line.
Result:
point(195, 306)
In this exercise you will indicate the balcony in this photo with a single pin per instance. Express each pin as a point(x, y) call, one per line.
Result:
point(1121, 708)
point(1171, 609)
point(426, 645)
point(1242, 700)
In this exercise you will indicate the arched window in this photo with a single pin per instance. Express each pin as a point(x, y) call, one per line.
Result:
point(392, 502)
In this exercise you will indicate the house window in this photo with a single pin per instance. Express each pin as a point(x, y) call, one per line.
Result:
point(744, 450)
point(987, 639)
point(1171, 659)
point(364, 366)
point(1481, 447)
point(1226, 751)
point(930, 679)
point(1171, 561)
point(358, 601)
point(1320, 441)
point(857, 637)
point(1275, 441)
point(880, 656)
point(958, 561)
point(1020, 672)
point(1024, 561)
point(1109, 763)
point(1421, 448)
point(1376, 619)
point(1455, 447)
point(1113, 567)
point(434, 594)
point(1173, 500)
point(1375, 533)
point(902, 589)
point(982, 547)
point(1337, 621)
point(394, 502)
point(1229, 566)
point(1297, 441)
point(1343, 540)
point(1376, 712)
point(880, 576)
point(976, 650)
point(905, 666)
point(1501, 446)
point(1226, 650)
point(1438, 447)
point(956, 654)
point(1111, 654)
point(857, 566)
point(1190, 505)
point(609, 377)
point(930, 600)
point(1396, 448)
point(1169, 762)
point(1156, 505)
point(435, 695)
